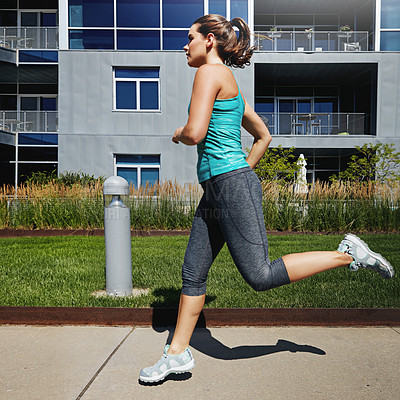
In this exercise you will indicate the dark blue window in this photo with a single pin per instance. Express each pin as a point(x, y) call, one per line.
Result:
point(149, 95)
point(390, 41)
point(91, 39)
point(149, 176)
point(38, 139)
point(126, 95)
point(138, 159)
point(267, 106)
point(48, 104)
point(323, 106)
point(138, 40)
point(48, 19)
point(136, 73)
point(239, 9)
point(174, 40)
point(139, 169)
point(129, 174)
point(217, 7)
point(91, 13)
point(138, 13)
point(137, 89)
point(37, 56)
point(181, 13)
point(390, 16)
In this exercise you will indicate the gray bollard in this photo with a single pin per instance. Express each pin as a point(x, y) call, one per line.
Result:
point(117, 233)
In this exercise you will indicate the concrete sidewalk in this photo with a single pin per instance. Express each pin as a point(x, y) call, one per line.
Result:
point(91, 362)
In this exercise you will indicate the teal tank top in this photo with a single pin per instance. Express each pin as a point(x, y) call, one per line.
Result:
point(221, 149)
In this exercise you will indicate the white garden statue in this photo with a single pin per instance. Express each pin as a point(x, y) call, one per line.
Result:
point(301, 181)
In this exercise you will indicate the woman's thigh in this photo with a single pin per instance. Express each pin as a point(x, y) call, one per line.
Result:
point(238, 196)
point(205, 242)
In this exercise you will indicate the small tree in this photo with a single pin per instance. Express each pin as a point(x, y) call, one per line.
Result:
point(277, 164)
point(380, 162)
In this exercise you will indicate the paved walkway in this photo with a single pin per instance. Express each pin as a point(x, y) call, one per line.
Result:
point(91, 362)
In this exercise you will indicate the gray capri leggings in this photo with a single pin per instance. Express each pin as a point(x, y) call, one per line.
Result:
point(231, 211)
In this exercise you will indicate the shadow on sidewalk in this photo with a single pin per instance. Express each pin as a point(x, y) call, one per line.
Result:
point(203, 341)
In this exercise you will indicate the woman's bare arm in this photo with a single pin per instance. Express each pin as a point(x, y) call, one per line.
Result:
point(206, 86)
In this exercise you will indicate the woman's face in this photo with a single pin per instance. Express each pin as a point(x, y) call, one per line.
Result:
point(196, 48)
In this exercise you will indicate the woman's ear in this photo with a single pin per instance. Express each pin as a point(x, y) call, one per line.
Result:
point(210, 40)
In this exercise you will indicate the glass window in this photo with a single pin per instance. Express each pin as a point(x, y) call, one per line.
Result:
point(26, 169)
point(29, 103)
point(138, 40)
point(264, 105)
point(48, 19)
point(35, 56)
point(29, 19)
point(126, 96)
point(303, 106)
point(37, 139)
point(181, 13)
point(139, 170)
point(48, 104)
point(91, 13)
point(37, 153)
point(324, 106)
point(390, 14)
point(138, 13)
point(9, 4)
point(174, 40)
point(217, 7)
point(239, 9)
point(149, 95)
point(136, 73)
point(91, 39)
point(8, 102)
point(138, 159)
point(8, 18)
point(137, 89)
point(149, 176)
point(390, 41)
point(326, 163)
point(130, 174)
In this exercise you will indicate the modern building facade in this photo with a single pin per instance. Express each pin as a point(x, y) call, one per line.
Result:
point(99, 86)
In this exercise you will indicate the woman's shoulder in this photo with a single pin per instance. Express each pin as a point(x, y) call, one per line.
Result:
point(218, 76)
point(215, 72)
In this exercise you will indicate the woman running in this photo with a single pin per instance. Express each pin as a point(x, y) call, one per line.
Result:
point(230, 210)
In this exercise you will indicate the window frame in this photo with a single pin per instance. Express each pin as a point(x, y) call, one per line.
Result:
point(138, 89)
point(138, 166)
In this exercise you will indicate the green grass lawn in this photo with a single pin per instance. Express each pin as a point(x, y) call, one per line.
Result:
point(64, 271)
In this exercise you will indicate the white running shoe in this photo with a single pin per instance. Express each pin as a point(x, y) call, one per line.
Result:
point(364, 257)
point(168, 364)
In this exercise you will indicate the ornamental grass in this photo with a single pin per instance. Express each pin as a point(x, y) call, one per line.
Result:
point(328, 207)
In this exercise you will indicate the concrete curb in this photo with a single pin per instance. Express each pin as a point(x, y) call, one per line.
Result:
point(209, 317)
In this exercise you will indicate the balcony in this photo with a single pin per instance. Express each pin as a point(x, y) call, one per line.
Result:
point(311, 40)
point(31, 37)
point(315, 123)
point(29, 121)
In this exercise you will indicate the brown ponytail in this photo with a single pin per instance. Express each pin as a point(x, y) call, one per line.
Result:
point(235, 52)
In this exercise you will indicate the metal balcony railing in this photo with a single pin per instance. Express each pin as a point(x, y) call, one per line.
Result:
point(311, 40)
point(315, 123)
point(29, 37)
point(29, 121)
